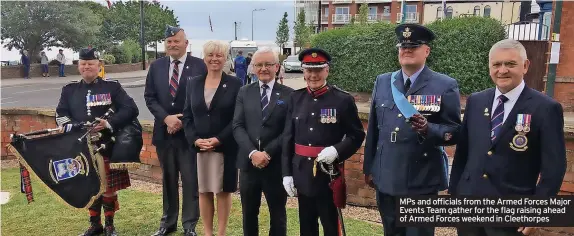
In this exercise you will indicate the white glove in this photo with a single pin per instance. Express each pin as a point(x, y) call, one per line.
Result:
point(328, 155)
point(289, 186)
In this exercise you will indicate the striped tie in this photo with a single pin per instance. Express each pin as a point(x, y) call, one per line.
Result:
point(264, 100)
point(174, 81)
point(498, 118)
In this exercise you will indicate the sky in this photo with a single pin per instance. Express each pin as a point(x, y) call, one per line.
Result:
point(193, 16)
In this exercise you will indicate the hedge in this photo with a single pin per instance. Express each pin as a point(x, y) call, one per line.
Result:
point(361, 52)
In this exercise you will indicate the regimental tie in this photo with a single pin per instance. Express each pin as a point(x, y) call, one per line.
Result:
point(407, 85)
point(174, 81)
point(498, 118)
point(264, 100)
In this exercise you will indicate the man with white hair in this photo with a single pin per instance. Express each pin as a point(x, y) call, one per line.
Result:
point(259, 120)
point(511, 135)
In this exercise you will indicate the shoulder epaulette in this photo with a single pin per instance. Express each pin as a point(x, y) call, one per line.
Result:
point(338, 89)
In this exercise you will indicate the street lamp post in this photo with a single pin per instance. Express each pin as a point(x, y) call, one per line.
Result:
point(253, 11)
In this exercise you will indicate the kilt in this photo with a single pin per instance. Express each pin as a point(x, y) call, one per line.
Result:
point(117, 179)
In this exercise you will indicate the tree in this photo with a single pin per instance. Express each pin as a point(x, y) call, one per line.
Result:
point(282, 32)
point(302, 30)
point(124, 19)
point(33, 26)
point(363, 13)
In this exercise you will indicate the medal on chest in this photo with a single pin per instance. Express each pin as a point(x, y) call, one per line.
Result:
point(520, 141)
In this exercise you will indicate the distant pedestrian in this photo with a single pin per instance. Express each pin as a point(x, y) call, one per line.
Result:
point(25, 60)
point(62, 60)
point(44, 62)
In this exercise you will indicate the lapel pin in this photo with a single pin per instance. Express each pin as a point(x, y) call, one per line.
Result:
point(186, 67)
point(486, 112)
point(277, 94)
point(224, 85)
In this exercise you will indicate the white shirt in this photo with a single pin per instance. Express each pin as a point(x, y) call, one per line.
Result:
point(179, 66)
point(270, 84)
point(512, 96)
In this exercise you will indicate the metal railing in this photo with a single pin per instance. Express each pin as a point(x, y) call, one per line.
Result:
point(341, 18)
point(376, 17)
point(411, 17)
point(527, 31)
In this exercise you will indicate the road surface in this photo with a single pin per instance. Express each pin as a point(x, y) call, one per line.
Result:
point(45, 94)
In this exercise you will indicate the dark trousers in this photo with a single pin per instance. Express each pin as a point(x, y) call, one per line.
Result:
point(175, 159)
point(251, 184)
point(26, 71)
point(482, 231)
point(387, 205)
point(320, 206)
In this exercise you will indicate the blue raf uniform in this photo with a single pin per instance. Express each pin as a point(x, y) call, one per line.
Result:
point(399, 159)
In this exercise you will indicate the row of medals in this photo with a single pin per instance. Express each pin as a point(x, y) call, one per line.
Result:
point(425, 102)
point(328, 119)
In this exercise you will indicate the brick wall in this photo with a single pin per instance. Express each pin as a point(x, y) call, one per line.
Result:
point(10, 72)
point(30, 119)
point(564, 86)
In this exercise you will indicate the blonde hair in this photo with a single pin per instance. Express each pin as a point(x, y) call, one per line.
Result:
point(214, 46)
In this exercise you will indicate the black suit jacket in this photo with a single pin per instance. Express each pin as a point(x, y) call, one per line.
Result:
point(215, 121)
point(253, 133)
point(482, 167)
point(158, 99)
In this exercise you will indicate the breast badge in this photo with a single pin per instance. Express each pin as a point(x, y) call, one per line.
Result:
point(520, 141)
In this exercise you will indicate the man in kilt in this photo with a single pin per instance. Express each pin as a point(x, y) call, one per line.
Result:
point(86, 101)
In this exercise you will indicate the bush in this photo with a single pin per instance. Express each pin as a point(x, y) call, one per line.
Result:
point(121, 55)
point(361, 52)
point(54, 63)
point(461, 50)
point(109, 59)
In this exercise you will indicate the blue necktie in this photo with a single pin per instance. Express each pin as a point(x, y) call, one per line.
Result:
point(498, 118)
point(264, 100)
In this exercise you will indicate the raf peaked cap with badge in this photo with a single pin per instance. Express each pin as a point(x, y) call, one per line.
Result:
point(89, 54)
point(413, 35)
point(171, 31)
point(314, 58)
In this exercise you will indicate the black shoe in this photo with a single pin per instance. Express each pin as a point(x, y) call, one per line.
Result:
point(94, 229)
point(164, 231)
point(189, 232)
point(110, 230)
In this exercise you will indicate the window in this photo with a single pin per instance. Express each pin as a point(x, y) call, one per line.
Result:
point(327, 11)
point(486, 11)
point(386, 11)
point(448, 14)
point(476, 11)
point(439, 13)
point(342, 10)
point(411, 8)
point(372, 10)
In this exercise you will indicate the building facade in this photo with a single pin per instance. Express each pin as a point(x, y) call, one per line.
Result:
point(506, 12)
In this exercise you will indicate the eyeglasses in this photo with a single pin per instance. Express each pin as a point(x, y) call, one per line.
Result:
point(267, 65)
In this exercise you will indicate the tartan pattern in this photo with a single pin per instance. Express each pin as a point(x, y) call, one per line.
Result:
point(117, 179)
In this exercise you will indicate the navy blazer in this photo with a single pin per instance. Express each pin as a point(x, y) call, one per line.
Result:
point(215, 121)
point(482, 167)
point(158, 99)
point(412, 164)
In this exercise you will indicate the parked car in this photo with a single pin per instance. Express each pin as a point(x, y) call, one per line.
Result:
point(292, 63)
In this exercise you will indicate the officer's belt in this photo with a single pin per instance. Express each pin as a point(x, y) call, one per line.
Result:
point(307, 151)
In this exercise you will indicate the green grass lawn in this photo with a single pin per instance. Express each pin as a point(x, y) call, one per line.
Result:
point(139, 214)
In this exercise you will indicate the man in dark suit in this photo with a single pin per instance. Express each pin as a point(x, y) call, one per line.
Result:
point(406, 158)
point(258, 122)
point(511, 137)
point(165, 97)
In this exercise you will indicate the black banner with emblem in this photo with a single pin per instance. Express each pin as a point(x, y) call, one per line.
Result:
point(66, 165)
